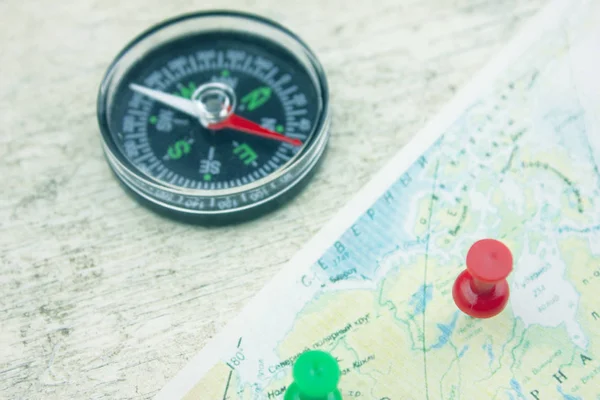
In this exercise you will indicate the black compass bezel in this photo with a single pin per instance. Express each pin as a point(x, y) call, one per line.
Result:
point(215, 205)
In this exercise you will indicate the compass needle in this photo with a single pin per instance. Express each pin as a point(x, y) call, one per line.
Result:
point(179, 103)
point(214, 124)
point(245, 125)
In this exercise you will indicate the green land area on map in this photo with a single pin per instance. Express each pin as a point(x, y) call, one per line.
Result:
point(520, 164)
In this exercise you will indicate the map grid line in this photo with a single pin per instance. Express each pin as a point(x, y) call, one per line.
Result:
point(435, 176)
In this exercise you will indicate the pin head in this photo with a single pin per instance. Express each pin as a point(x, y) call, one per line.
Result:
point(316, 376)
point(316, 373)
point(489, 260)
point(482, 290)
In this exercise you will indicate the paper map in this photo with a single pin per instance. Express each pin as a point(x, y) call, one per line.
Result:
point(514, 157)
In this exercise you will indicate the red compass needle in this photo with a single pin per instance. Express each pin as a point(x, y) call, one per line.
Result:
point(245, 125)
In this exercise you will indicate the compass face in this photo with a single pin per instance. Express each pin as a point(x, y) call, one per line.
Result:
point(208, 117)
point(177, 149)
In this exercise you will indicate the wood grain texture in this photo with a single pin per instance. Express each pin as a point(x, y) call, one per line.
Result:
point(102, 299)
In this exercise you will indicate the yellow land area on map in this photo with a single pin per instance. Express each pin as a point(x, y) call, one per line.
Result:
point(518, 164)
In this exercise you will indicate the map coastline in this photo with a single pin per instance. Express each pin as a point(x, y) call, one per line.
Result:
point(313, 273)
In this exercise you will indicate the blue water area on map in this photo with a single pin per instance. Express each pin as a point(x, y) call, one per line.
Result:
point(516, 386)
point(381, 230)
point(567, 396)
point(446, 332)
point(463, 351)
point(421, 298)
point(489, 351)
point(595, 228)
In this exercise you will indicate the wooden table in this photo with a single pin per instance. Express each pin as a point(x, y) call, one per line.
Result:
point(102, 299)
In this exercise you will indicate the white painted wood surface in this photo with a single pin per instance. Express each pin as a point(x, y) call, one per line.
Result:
point(102, 299)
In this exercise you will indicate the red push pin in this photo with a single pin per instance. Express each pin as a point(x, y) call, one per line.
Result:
point(481, 290)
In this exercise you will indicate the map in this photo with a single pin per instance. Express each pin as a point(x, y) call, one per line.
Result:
point(513, 157)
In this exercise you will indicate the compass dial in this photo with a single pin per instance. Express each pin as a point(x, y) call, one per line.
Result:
point(210, 121)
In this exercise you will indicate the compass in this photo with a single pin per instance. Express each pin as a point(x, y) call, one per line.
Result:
point(214, 116)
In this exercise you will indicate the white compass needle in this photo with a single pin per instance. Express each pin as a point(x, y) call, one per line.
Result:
point(179, 103)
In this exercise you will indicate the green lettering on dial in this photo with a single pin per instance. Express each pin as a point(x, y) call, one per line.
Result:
point(186, 91)
point(178, 149)
point(245, 153)
point(256, 98)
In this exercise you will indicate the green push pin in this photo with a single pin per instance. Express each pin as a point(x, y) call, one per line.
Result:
point(316, 376)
